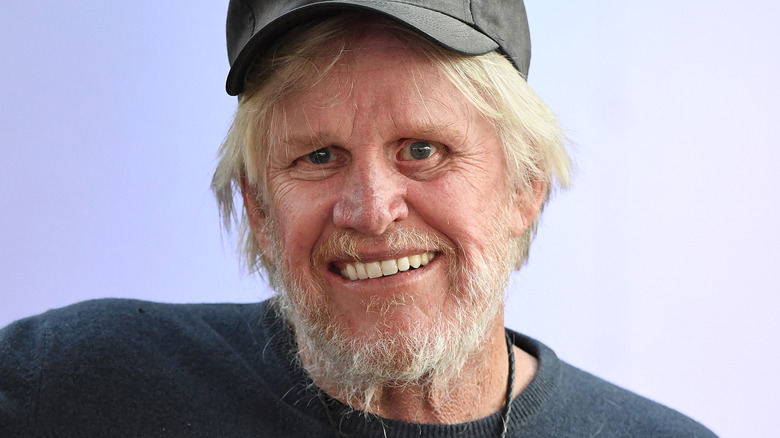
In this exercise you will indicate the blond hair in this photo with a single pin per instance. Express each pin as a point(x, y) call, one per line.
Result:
point(532, 140)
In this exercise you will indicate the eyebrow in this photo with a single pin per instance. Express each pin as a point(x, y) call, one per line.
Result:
point(448, 130)
point(295, 145)
point(451, 133)
point(453, 130)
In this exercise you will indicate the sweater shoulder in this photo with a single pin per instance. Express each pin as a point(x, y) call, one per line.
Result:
point(105, 320)
point(565, 401)
point(167, 361)
point(134, 331)
point(619, 412)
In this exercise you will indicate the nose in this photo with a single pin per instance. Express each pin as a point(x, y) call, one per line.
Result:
point(372, 199)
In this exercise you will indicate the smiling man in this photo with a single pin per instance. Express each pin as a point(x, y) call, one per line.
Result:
point(393, 163)
point(367, 219)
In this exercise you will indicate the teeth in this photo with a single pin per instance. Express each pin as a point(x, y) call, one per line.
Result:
point(362, 271)
point(374, 270)
point(351, 272)
point(389, 267)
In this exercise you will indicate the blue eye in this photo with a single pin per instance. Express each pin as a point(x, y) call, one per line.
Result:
point(320, 156)
point(418, 150)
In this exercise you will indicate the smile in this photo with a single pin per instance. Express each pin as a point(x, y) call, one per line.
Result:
point(362, 271)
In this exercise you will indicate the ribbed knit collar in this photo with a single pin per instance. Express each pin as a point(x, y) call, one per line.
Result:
point(294, 387)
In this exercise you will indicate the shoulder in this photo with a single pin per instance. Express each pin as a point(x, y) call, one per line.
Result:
point(572, 402)
point(623, 412)
point(166, 361)
point(90, 327)
point(127, 332)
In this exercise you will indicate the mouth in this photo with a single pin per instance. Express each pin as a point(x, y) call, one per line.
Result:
point(360, 271)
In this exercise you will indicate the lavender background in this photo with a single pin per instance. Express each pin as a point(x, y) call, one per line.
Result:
point(656, 270)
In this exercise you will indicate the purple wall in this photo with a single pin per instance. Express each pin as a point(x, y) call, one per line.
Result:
point(655, 270)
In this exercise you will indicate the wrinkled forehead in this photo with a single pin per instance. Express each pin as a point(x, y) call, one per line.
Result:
point(377, 60)
point(381, 74)
point(306, 54)
point(374, 68)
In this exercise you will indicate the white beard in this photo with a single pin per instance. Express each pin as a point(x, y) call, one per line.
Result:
point(356, 368)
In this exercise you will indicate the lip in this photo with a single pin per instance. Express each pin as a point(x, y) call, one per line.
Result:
point(413, 261)
point(385, 283)
point(376, 256)
point(338, 264)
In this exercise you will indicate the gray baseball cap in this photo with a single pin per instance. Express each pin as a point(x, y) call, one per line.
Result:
point(468, 27)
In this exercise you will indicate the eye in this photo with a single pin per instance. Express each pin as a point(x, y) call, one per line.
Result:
point(320, 156)
point(417, 150)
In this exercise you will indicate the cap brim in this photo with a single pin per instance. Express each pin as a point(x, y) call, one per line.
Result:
point(447, 31)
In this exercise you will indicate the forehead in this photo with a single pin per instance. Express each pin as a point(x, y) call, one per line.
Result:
point(381, 77)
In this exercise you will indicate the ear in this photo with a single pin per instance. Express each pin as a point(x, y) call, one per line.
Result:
point(256, 215)
point(525, 208)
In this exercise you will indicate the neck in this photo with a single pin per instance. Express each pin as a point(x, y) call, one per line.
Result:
point(477, 391)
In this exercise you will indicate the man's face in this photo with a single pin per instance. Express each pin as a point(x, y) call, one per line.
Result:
point(385, 156)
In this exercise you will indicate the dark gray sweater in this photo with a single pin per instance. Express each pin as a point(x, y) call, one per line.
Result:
point(116, 368)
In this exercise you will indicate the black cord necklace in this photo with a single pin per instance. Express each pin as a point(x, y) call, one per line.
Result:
point(510, 386)
point(505, 412)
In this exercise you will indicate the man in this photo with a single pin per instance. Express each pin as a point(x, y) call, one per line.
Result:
point(393, 164)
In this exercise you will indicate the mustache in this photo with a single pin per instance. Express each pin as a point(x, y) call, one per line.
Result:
point(347, 243)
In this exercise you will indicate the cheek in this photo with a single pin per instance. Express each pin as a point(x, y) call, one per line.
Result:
point(300, 223)
point(464, 216)
point(460, 210)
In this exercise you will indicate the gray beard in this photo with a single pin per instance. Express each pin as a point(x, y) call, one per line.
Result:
point(353, 370)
